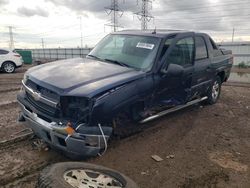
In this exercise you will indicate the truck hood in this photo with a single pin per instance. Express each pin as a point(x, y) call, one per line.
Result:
point(81, 77)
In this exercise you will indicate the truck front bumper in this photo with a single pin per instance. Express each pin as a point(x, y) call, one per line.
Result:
point(86, 146)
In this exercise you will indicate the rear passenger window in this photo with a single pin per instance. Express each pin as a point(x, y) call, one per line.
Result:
point(213, 44)
point(2, 52)
point(182, 53)
point(216, 52)
point(201, 48)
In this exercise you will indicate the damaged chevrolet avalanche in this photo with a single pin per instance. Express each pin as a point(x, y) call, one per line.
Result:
point(129, 78)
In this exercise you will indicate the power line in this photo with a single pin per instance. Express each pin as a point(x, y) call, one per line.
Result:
point(43, 48)
point(144, 16)
point(11, 44)
point(185, 8)
point(81, 31)
point(114, 11)
point(233, 35)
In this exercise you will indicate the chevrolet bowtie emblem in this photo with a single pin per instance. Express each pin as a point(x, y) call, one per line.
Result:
point(36, 96)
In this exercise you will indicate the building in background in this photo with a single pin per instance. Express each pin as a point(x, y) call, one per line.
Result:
point(241, 51)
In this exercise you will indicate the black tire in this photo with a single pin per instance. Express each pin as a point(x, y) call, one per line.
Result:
point(52, 176)
point(9, 67)
point(211, 96)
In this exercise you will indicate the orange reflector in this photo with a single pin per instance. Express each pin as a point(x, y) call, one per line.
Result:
point(69, 130)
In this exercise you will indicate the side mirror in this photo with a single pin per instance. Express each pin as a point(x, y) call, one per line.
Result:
point(173, 70)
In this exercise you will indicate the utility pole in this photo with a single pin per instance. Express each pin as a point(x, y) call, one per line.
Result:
point(233, 35)
point(43, 48)
point(11, 44)
point(114, 11)
point(81, 31)
point(144, 16)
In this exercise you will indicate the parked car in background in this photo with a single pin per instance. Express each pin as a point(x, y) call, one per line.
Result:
point(10, 60)
point(129, 78)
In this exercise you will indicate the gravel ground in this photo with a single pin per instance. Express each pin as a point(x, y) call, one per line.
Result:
point(201, 146)
point(8, 121)
point(6, 97)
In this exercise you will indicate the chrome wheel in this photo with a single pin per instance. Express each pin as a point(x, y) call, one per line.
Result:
point(85, 178)
point(9, 67)
point(215, 90)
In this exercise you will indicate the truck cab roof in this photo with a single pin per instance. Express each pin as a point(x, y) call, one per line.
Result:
point(161, 33)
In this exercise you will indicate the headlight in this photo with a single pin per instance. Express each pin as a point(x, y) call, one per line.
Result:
point(75, 108)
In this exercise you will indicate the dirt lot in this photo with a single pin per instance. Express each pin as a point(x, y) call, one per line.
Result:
point(202, 146)
point(241, 70)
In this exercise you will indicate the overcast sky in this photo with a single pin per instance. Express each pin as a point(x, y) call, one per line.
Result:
point(58, 23)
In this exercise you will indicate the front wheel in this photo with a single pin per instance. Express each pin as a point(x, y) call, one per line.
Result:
point(214, 91)
point(81, 175)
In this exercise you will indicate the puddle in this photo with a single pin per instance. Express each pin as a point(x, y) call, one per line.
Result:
point(240, 77)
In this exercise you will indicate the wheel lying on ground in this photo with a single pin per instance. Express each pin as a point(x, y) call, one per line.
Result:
point(214, 91)
point(8, 67)
point(78, 174)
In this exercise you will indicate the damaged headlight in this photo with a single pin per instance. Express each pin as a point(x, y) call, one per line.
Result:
point(75, 108)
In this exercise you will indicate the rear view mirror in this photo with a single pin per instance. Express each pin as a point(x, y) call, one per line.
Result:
point(173, 70)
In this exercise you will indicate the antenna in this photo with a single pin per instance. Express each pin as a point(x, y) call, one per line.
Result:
point(114, 11)
point(154, 32)
point(144, 16)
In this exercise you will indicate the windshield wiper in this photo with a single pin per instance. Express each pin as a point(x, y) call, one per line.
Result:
point(117, 62)
point(94, 57)
point(109, 60)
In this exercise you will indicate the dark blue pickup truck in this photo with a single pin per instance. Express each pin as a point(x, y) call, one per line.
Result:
point(129, 78)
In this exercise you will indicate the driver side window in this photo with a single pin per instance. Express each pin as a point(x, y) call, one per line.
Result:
point(182, 53)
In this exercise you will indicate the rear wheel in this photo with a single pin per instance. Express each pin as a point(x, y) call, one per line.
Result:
point(9, 67)
point(214, 91)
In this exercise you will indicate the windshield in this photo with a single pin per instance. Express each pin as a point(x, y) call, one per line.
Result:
point(127, 50)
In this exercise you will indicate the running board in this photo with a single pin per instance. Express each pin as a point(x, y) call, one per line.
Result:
point(176, 108)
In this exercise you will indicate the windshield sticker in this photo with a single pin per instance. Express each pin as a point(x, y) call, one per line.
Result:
point(145, 45)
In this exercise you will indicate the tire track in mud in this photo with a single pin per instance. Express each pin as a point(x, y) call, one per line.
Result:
point(22, 159)
point(9, 124)
point(7, 98)
point(10, 89)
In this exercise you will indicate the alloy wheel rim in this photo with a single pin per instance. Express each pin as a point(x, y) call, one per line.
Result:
point(9, 67)
point(85, 178)
point(215, 90)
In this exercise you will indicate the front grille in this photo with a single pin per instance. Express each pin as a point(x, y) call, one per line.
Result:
point(49, 110)
point(44, 91)
point(40, 105)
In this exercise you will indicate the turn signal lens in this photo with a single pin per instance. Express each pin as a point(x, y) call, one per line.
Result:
point(70, 131)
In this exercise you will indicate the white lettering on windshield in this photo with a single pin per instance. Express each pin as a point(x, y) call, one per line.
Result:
point(145, 45)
